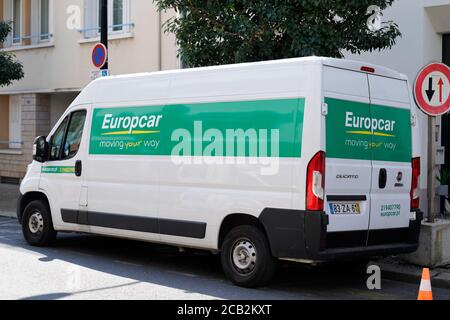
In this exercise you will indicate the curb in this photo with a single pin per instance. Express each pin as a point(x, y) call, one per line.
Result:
point(439, 279)
point(7, 214)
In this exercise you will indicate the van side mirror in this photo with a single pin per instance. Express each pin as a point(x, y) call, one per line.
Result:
point(40, 149)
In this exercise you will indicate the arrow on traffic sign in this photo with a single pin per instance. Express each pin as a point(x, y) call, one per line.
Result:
point(430, 92)
point(440, 84)
point(427, 99)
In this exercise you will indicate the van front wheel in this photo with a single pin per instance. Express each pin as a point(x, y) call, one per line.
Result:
point(37, 226)
point(246, 257)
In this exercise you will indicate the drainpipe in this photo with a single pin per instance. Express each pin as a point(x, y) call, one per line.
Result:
point(104, 27)
point(159, 40)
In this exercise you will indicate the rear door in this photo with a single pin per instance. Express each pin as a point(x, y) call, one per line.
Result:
point(348, 156)
point(391, 162)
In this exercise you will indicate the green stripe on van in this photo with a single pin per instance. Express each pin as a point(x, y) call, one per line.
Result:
point(211, 129)
point(367, 132)
point(57, 169)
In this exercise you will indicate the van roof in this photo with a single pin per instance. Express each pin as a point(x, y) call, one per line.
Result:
point(88, 95)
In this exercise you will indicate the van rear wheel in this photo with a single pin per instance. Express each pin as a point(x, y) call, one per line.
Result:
point(37, 226)
point(246, 257)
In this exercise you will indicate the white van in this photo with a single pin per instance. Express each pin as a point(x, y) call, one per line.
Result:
point(307, 159)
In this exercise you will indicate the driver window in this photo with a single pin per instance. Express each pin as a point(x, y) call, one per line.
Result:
point(74, 134)
point(56, 140)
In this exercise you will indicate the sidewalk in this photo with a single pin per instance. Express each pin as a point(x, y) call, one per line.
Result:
point(8, 199)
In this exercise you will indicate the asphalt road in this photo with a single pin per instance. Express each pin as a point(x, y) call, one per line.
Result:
point(92, 267)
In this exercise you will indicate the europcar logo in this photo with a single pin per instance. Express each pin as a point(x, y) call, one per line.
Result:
point(131, 125)
point(369, 126)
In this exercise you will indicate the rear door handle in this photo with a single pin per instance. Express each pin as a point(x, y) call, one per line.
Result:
point(78, 168)
point(382, 178)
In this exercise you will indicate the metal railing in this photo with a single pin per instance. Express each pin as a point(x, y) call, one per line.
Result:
point(48, 36)
point(18, 40)
point(42, 36)
point(112, 27)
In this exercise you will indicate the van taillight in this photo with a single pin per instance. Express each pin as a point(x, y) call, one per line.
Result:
point(414, 194)
point(315, 182)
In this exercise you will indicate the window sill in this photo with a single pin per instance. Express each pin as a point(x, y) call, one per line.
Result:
point(28, 47)
point(11, 151)
point(119, 36)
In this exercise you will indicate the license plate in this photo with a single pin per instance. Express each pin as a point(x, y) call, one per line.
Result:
point(345, 208)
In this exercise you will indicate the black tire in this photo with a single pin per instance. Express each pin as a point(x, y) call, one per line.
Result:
point(247, 240)
point(37, 225)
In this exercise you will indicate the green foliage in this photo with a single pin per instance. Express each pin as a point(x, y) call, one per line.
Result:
point(10, 68)
point(443, 177)
point(231, 31)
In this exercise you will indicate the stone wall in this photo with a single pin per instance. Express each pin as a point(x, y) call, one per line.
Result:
point(35, 122)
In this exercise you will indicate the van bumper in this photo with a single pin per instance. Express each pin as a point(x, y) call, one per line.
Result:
point(302, 235)
point(19, 207)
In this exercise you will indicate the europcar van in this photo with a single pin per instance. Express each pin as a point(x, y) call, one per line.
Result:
point(308, 159)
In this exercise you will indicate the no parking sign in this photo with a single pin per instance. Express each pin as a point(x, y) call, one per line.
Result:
point(99, 55)
point(432, 89)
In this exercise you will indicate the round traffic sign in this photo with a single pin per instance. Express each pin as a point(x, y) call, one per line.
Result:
point(432, 89)
point(99, 55)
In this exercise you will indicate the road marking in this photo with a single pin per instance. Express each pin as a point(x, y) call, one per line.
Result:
point(8, 222)
point(128, 263)
point(191, 275)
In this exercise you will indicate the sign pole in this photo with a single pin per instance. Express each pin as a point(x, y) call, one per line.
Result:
point(104, 28)
point(431, 170)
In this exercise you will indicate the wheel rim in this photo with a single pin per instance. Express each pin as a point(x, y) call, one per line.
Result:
point(36, 223)
point(244, 256)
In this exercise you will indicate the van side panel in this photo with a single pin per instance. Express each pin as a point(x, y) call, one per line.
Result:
point(209, 181)
point(166, 174)
point(262, 98)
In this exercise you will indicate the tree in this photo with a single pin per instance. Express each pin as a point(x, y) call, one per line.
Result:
point(212, 32)
point(10, 68)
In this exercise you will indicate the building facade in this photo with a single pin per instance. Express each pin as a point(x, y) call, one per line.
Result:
point(53, 39)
